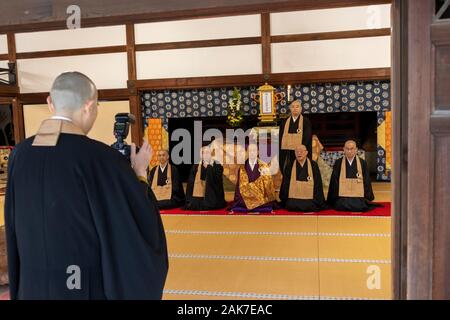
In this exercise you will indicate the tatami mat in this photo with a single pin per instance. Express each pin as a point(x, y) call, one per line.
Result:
point(273, 257)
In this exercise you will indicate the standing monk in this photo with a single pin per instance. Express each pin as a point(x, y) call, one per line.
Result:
point(81, 222)
point(294, 131)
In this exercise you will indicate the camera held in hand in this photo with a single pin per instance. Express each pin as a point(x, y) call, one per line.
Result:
point(121, 130)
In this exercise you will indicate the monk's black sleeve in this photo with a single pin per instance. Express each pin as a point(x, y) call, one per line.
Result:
point(129, 227)
point(190, 184)
point(237, 189)
point(11, 241)
point(151, 175)
point(333, 190)
point(281, 154)
point(318, 186)
point(368, 192)
point(307, 136)
point(178, 191)
point(284, 189)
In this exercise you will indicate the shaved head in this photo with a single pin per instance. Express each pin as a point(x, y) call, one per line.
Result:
point(350, 142)
point(71, 91)
point(350, 149)
point(165, 151)
point(163, 156)
point(301, 152)
point(296, 108)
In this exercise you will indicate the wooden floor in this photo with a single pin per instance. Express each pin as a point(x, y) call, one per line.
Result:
point(279, 257)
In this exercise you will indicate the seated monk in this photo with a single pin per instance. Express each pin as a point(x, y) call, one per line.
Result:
point(350, 188)
point(301, 189)
point(165, 183)
point(255, 191)
point(205, 184)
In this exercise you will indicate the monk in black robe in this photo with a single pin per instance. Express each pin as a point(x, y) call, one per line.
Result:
point(80, 222)
point(294, 131)
point(350, 187)
point(165, 183)
point(301, 189)
point(205, 184)
point(255, 191)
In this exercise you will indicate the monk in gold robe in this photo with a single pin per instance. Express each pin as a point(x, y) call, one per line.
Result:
point(255, 191)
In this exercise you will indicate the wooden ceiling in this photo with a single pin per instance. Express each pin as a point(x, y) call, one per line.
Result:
point(37, 15)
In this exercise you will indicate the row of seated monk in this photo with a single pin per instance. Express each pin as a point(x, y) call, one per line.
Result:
point(301, 188)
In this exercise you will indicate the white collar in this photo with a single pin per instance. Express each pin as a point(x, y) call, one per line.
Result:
point(252, 165)
point(61, 118)
point(295, 118)
point(350, 161)
point(163, 168)
point(304, 162)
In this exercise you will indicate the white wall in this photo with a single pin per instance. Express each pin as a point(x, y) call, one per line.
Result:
point(199, 29)
point(4, 64)
point(108, 71)
point(103, 126)
point(214, 61)
point(71, 39)
point(342, 54)
point(339, 19)
point(3, 44)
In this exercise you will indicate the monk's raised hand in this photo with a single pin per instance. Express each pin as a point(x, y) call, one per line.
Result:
point(141, 160)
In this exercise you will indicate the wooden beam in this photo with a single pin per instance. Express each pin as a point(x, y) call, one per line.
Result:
point(265, 44)
point(265, 40)
point(8, 91)
point(332, 35)
point(93, 14)
point(70, 52)
point(257, 79)
point(114, 94)
point(198, 44)
point(103, 94)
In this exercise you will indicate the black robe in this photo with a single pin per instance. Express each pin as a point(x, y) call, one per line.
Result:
point(177, 199)
point(214, 194)
point(353, 204)
point(287, 157)
point(303, 205)
point(80, 204)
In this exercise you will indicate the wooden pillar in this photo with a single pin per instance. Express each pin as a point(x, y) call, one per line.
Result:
point(422, 152)
point(18, 122)
point(17, 106)
point(137, 130)
point(265, 44)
